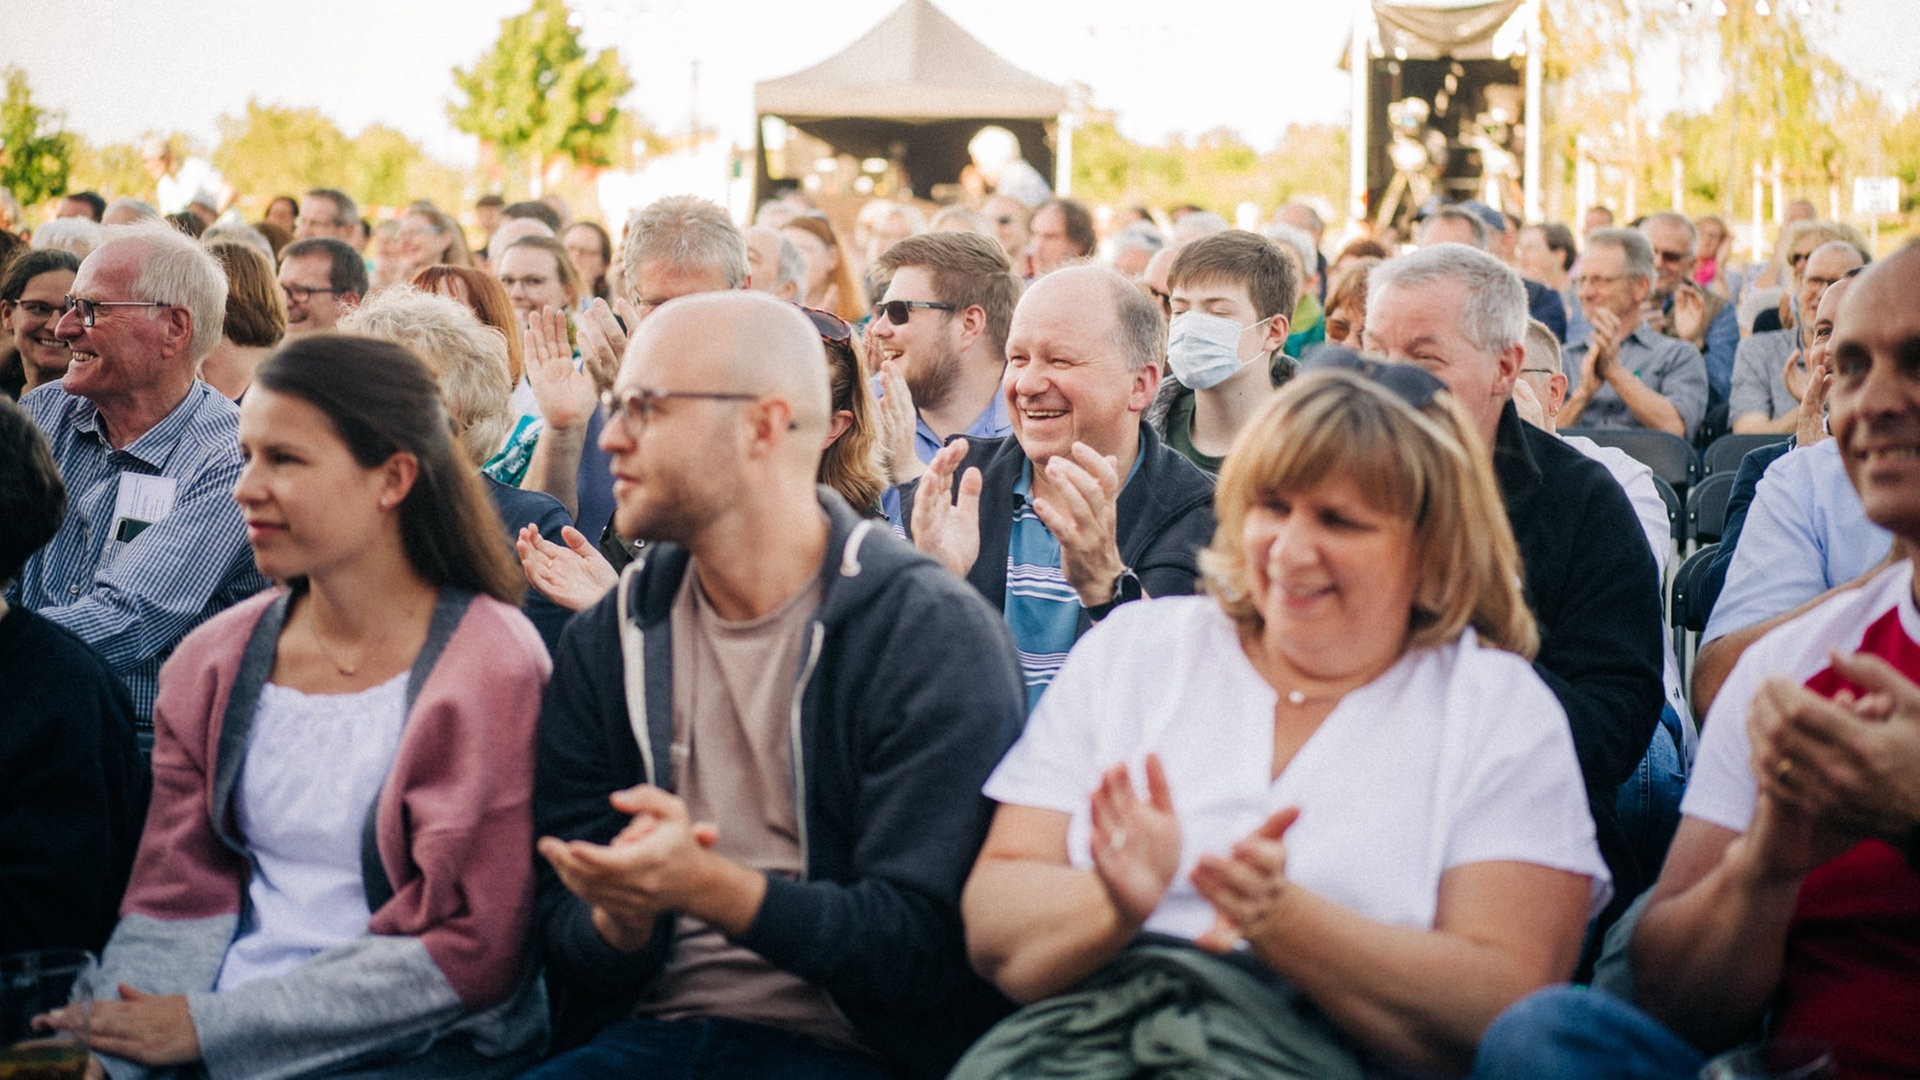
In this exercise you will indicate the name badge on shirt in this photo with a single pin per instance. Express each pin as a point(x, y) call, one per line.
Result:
point(138, 503)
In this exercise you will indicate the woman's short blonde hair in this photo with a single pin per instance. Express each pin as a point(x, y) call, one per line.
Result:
point(1421, 465)
point(467, 357)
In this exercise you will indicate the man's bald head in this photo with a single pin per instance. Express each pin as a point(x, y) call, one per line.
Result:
point(741, 342)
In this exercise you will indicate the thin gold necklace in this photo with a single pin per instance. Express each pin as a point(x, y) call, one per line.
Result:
point(313, 631)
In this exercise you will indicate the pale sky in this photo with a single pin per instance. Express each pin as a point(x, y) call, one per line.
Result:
point(118, 68)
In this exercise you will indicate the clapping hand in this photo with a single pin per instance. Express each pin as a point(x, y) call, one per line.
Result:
point(1135, 843)
point(650, 867)
point(1850, 763)
point(1247, 886)
point(603, 341)
point(1603, 349)
point(1081, 511)
point(898, 424)
point(574, 577)
point(943, 527)
point(1689, 313)
point(566, 395)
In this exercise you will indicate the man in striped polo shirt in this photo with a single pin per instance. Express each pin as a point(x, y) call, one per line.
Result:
point(1084, 508)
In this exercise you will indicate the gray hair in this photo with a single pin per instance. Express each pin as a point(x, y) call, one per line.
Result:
point(687, 233)
point(1481, 233)
point(468, 358)
point(1671, 217)
point(793, 265)
point(957, 218)
point(136, 211)
point(240, 233)
point(1632, 245)
point(175, 269)
point(77, 235)
point(1495, 316)
point(1138, 237)
point(1300, 242)
point(1198, 224)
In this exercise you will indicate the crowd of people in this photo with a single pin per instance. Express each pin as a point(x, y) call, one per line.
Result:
point(952, 644)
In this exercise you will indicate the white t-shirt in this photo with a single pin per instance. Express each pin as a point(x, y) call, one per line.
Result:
point(1722, 790)
point(315, 763)
point(1457, 755)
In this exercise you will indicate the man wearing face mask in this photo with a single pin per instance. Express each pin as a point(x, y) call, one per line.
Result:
point(1232, 294)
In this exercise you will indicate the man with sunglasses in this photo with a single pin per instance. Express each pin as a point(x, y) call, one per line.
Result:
point(153, 543)
point(761, 754)
point(1679, 308)
point(1084, 508)
point(941, 332)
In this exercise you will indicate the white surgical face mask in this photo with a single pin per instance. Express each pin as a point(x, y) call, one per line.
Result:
point(1204, 350)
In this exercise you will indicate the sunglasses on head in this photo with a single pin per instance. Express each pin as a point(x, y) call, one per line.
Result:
point(1410, 383)
point(831, 327)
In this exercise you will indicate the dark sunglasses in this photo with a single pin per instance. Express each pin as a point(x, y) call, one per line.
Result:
point(831, 327)
point(898, 311)
point(1410, 383)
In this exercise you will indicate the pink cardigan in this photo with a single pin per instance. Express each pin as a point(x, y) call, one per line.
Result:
point(453, 829)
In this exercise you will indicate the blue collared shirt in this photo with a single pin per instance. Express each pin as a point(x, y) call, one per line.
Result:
point(134, 599)
point(991, 424)
point(1670, 367)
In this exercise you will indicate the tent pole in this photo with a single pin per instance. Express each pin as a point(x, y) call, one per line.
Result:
point(1063, 158)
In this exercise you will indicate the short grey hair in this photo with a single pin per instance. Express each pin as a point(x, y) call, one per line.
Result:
point(687, 233)
point(1633, 246)
point(241, 233)
point(1198, 224)
point(1673, 217)
point(1481, 233)
point(1495, 316)
point(175, 269)
point(468, 358)
point(793, 265)
point(137, 211)
point(77, 235)
point(1138, 237)
point(1299, 241)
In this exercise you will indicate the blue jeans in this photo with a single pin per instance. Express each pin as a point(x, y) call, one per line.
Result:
point(691, 1049)
point(1567, 1032)
point(1648, 803)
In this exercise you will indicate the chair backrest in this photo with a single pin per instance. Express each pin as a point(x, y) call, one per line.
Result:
point(1707, 507)
point(1669, 456)
point(1676, 511)
point(1685, 610)
point(1724, 454)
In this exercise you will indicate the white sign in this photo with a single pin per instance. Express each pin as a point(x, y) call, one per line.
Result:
point(1876, 195)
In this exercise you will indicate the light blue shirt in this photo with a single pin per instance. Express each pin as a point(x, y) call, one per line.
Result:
point(1806, 532)
point(1670, 367)
point(1042, 610)
point(991, 424)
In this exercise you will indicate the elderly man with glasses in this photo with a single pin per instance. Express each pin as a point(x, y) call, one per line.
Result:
point(1679, 308)
point(1624, 374)
point(153, 543)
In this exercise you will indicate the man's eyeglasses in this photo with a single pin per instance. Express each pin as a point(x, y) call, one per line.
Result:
point(898, 311)
point(1794, 260)
point(1411, 383)
point(1674, 257)
point(633, 410)
point(89, 309)
point(1598, 279)
point(1165, 300)
point(300, 294)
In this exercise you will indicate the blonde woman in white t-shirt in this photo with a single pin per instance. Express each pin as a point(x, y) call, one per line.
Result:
point(1341, 762)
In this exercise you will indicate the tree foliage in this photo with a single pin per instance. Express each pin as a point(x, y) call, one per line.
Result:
point(1216, 169)
point(537, 95)
point(35, 153)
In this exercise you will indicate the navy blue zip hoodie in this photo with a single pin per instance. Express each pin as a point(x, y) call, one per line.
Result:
point(907, 697)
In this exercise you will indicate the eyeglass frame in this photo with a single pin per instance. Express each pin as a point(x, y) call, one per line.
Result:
point(301, 294)
point(624, 408)
point(89, 309)
point(898, 312)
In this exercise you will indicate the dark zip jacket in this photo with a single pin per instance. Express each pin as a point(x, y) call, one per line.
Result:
point(907, 696)
point(1163, 519)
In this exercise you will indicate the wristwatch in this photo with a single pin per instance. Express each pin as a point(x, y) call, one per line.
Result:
point(1126, 587)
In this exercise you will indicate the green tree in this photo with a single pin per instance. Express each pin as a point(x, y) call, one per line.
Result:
point(538, 98)
point(115, 170)
point(273, 150)
point(35, 153)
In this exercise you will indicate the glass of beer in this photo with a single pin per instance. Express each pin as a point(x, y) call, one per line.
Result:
point(33, 985)
point(1774, 1059)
